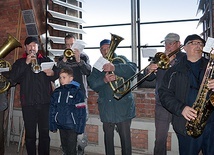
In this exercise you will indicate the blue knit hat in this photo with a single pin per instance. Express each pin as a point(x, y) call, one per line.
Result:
point(105, 41)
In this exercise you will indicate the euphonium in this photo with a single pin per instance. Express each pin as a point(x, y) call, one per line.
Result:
point(115, 40)
point(10, 44)
point(204, 103)
point(68, 53)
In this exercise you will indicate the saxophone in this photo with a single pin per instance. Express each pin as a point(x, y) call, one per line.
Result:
point(204, 103)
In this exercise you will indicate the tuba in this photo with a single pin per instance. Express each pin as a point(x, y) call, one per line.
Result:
point(115, 40)
point(204, 103)
point(10, 44)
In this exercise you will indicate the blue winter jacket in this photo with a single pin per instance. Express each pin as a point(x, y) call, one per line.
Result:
point(67, 108)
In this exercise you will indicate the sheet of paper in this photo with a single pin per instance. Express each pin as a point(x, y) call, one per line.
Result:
point(47, 65)
point(80, 45)
point(209, 45)
point(99, 63)
point(4, 69)
point(56, 83)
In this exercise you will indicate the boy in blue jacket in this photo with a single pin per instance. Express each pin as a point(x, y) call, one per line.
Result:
point(68, 111)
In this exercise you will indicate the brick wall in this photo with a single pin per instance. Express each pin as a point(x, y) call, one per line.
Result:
point(12, 22)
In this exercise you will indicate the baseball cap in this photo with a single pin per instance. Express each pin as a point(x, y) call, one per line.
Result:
point(193, 37)
point(171, 37)
point(105, 41)
point(31, 39)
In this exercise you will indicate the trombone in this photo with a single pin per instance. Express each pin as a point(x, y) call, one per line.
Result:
point(163, 62)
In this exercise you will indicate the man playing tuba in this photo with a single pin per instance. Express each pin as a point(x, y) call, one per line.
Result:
point(113, 112)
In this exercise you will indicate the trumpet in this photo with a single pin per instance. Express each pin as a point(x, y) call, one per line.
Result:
point(35, 67)
point(163, 62)
point(68, 53)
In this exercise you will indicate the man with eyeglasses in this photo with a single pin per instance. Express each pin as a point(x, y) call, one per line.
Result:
point(178, 92)
point(162, 116)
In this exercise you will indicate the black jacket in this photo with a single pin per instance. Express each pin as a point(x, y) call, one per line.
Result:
point(35, 88)
point(174, 90)
point(81, 70)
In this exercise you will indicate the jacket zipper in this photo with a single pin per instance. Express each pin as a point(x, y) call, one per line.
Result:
point(72, 115)
point(170, 80)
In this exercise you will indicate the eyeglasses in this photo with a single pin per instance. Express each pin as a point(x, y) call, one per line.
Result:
point(196, 43)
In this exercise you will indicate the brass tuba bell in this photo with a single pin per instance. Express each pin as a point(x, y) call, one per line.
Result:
point(10, 44)
point(115, 40)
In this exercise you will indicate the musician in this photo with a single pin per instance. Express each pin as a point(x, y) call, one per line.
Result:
point(162, 116)
point(113, 112)
point(178, 92)
point(35, 93)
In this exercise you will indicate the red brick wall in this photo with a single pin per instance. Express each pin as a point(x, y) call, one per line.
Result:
point(12, 22)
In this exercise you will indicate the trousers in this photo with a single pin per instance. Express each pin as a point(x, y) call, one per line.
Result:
point(123, 129)
point(69, 141)
point(36, 116)
point(1, 132)
point(192, 146)
point(162, 122)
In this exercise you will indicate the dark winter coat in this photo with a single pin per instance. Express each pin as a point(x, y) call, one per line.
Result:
point(112, 110)
point(67, 108)
point(174, 90)
point(35, 88)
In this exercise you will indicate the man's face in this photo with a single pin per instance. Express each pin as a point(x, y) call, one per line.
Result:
point(171, 46)
point(194, 48)
point(69, 42)
point(104, 49)
point(31, 48)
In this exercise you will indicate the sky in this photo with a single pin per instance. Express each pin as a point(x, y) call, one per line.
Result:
point(100, 12)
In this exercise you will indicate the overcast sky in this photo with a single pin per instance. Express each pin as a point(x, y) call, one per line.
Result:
point(102, 12)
